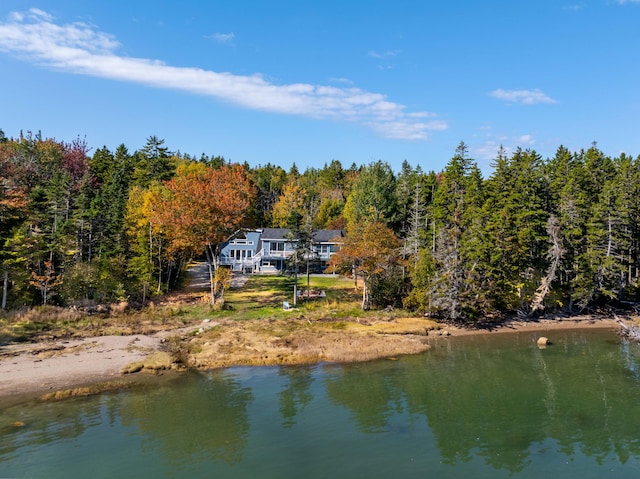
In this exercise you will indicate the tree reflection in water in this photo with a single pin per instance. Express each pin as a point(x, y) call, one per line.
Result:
point(496, 402)
point(504, 402)
point(296, 394)
point(208, 423)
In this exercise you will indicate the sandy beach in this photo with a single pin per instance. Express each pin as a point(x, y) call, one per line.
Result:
point(40, 367)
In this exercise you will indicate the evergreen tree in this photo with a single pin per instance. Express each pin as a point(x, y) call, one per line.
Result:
point(373, 197)
point(516, 239)
point(153, 163)
point(454, 290)
point(570, 205)
point(595, 262)
point(269, 181)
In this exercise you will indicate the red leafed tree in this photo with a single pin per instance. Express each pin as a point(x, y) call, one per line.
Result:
point(201, 207)
point(75, 160)
point(369, 251)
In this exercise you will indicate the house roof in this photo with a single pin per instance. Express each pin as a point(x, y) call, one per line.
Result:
point(319, 236)
point(327, 236)
point(250, 234)
point(274, 233)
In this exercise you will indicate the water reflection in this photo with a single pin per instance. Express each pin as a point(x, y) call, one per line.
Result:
point(46, 424)
point(296, 395)
point(208, 423)
point(498, 403)
point(502, 403)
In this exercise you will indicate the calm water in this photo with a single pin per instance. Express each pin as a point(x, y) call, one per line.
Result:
point(471, 407)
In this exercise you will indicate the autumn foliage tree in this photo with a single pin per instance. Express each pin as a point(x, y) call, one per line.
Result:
point(291, 201)
point(200, 208)
point(371, 251)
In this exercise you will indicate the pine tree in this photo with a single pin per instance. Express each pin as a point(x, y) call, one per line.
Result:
point(455, 289)
point(516, 229)
point(373, 197)
point(570, 206)
point(269, 181)
point(153, 163)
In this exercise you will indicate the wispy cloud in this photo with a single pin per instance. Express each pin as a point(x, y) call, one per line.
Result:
point(406, 131)
point(223, 37)
point(526, 140)
point(576, 7)
point(525, 97)
point(622, 2)
point(344, 81)
point(83, 49)
point(386, 54)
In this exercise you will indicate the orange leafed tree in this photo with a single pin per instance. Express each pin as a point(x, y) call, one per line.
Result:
point(369, 251)
point(200, 208)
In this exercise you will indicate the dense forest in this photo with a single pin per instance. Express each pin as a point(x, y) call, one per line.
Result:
point(555, 234)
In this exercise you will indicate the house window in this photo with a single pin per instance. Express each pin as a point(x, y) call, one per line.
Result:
point(328, 248)
point(277, 246)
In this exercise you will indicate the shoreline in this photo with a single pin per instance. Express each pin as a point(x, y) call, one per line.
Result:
point(95, 364)
point(555, 324)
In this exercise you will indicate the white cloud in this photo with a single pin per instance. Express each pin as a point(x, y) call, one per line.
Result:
point(344, 81)
point(223, 37)
point(526, 140)
point(525, 97)
point(83, 49)
point(406, 130)
point(387, 54)
point(576, 7)
point(36, 13)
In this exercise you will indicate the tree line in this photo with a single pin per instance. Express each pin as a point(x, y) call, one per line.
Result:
point(80, 226)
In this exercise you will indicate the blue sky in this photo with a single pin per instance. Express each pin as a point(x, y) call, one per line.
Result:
point(311, 81)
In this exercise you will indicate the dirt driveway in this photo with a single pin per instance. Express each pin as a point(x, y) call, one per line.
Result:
point(199, 278)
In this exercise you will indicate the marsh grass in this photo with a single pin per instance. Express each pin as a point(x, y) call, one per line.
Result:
point(54, 322)
point(296, 341)
point(86, 390)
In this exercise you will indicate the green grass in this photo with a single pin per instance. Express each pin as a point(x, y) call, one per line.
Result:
point(262, 297)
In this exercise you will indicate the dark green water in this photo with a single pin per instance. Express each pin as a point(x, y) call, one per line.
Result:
point(471, 407)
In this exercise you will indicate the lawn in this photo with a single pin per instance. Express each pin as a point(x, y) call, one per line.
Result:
point(263, 297)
